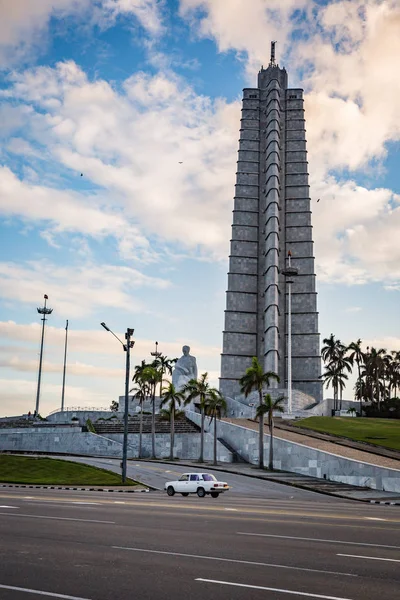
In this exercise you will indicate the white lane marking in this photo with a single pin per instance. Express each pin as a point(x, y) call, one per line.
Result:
point(374, 519)
point(289, 537)
point(270, 589)
point(118, 502)
point(168, 471)
point(233, 560)
point(57, 518)
point(5, 506)
point(231, 509)
point(39, 592)
point(369, 557)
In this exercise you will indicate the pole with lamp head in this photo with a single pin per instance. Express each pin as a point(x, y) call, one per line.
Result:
point(65, 366)
point(127, 347)
point(290, 272)
point(42, 311)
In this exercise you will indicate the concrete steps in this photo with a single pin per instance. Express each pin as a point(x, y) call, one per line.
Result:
point(117, 426)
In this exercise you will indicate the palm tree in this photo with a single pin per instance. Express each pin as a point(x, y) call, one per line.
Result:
point(268, 407)
point(199, 388)
point(174, 399)
point(152, 376)
point(164, 365)
point(343, 363)
point(376, 366)
point(332, 348)
point(395, 372)
point(335, 377)
point(165, 414)
point(140, 394)
point(216, 406)
point(357, 355)
point(256, 380)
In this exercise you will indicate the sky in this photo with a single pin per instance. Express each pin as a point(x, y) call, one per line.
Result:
point(119, 126)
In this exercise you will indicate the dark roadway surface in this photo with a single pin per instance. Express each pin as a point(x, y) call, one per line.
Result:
point(103, 546)
point(156, 474)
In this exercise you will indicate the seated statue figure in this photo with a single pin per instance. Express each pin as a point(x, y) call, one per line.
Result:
point(185, 369)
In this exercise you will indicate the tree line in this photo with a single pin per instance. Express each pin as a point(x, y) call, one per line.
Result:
point(378, 376)
point(150, 378)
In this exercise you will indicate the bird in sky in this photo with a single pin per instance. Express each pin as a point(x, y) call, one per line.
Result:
point(181, 163)
point(318, 200)
point(81, 174)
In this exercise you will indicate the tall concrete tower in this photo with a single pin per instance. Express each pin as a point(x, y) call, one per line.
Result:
point(271, 217)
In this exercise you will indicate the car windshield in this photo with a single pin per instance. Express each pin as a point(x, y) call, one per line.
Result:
point(208, 477)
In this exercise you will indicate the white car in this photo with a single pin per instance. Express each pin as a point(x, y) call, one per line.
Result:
point(196, 483)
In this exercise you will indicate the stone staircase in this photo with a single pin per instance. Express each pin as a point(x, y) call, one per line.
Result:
point(117, 426)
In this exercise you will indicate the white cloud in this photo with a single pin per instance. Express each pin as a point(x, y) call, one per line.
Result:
point(18, 396)
point(76, 290)
point(15, 363)
point(355, 233)
point(94, 342)
point(67, 211)
point(129, 141)
point(24, 23)
point(354, 98)
point(148, 12)
point(243, 26)
point(131, 144)
point(353, 309)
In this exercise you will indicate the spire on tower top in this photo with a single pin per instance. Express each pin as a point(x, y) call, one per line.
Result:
point(272, 61)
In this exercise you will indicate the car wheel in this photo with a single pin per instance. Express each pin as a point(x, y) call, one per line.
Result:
point(185, 493)
point(201, 492)
point(214, 494)
point(170, 490)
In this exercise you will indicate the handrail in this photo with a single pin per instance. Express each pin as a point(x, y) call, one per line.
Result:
point(81, 408)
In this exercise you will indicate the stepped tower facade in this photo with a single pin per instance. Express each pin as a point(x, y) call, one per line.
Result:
point(271, 218)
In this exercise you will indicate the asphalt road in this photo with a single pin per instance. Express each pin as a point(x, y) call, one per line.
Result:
point(156, 474)
point(103, 546)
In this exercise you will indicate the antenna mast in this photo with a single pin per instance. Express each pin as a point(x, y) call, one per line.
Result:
point(272, 61)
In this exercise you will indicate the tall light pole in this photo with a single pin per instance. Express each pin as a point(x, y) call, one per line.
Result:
point(42, 311)
point(290, 272)
point(156, 353)
point(65, 365)
point(127, 347)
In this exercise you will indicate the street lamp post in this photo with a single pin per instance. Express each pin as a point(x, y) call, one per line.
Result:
point(290, 272)
point(127, 347)
point(42, 311)
point(65, 365)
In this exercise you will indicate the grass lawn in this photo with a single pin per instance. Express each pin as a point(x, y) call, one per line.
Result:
point(381, 432)
point(50, 471)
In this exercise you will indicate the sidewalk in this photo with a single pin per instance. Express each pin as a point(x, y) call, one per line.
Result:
point(313, 484)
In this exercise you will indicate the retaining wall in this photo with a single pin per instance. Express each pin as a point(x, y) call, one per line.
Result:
point(296, 458)
point(186, 446)
point(71, 440)
point(68, 440)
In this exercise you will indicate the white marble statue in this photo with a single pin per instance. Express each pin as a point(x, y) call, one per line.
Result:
point(185, 369)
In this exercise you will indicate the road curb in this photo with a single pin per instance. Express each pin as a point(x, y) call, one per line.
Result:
point(387, 502)
point(78, 489)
